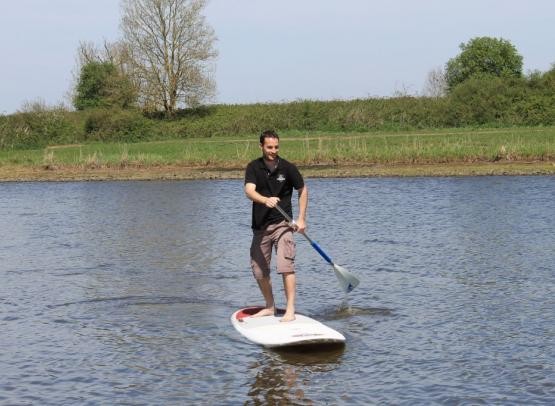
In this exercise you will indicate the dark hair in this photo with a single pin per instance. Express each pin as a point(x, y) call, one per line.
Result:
point(268, 134)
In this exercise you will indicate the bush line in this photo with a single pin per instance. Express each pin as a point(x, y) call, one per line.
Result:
point(478, 102)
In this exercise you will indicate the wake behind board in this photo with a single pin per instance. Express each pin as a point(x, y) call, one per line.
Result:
point(270, 332)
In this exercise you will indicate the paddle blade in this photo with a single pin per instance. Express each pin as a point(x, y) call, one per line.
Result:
point(347, 280)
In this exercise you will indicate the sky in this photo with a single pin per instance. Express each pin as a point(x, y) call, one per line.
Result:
point(279, 51)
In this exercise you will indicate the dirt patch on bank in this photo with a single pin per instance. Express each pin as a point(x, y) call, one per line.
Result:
point(175, 172)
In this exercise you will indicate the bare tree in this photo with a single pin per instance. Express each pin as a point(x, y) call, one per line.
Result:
point(436, 83)
point(171, 49)
point(113, 52)
point(87, 52)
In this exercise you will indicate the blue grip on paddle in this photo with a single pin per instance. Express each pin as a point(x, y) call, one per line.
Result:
point(321, 251)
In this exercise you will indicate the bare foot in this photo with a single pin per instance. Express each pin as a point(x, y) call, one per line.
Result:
point(288, 316)
point(268, 311)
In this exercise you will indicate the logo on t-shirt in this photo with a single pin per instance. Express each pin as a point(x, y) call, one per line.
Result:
point(280, 178)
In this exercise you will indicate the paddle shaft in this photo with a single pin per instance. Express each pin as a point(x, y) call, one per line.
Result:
point(313, 243)
point(347, 280)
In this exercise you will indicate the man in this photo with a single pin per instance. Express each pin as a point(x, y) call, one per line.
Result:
point(269, 181)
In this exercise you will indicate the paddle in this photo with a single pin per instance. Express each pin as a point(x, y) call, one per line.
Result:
point(346, 279)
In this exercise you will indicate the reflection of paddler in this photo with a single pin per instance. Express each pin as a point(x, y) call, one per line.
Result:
point(284, 375)
point(269, 181)
point(276, 384)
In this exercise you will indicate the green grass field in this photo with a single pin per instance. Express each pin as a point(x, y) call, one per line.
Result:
point(415, 147)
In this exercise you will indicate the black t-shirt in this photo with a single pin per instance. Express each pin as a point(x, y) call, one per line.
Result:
point(279, 183)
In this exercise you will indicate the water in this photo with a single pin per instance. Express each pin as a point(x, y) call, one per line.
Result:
point(120, 293)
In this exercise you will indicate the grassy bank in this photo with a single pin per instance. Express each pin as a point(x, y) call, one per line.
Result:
point(321, 153)
point(477, 103)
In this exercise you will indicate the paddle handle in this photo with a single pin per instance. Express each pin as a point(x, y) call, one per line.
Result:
point(314, 244)
point(284, 214)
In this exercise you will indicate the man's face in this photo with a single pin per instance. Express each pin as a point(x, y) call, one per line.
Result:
point(270, 148)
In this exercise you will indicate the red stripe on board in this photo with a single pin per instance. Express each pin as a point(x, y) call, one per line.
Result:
point(249, 311)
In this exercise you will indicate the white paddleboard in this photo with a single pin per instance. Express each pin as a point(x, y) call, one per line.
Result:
point(269, 331)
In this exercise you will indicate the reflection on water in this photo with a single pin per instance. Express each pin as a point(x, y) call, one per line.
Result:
point(283, 375)
point(121, 293)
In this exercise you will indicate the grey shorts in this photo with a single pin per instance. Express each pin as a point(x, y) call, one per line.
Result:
point(280, 237)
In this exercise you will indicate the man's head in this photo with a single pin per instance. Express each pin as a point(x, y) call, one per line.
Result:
point(268, 134)
point(269, 144)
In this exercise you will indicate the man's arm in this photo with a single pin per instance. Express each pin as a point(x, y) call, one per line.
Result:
point(250, 191)
point(303, 203)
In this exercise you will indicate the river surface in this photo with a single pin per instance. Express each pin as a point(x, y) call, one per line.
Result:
point(121, 293)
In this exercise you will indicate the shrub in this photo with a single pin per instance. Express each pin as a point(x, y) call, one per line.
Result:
point(102, 85)
point(37, 125)
point(486, 99)
point(117, 125)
